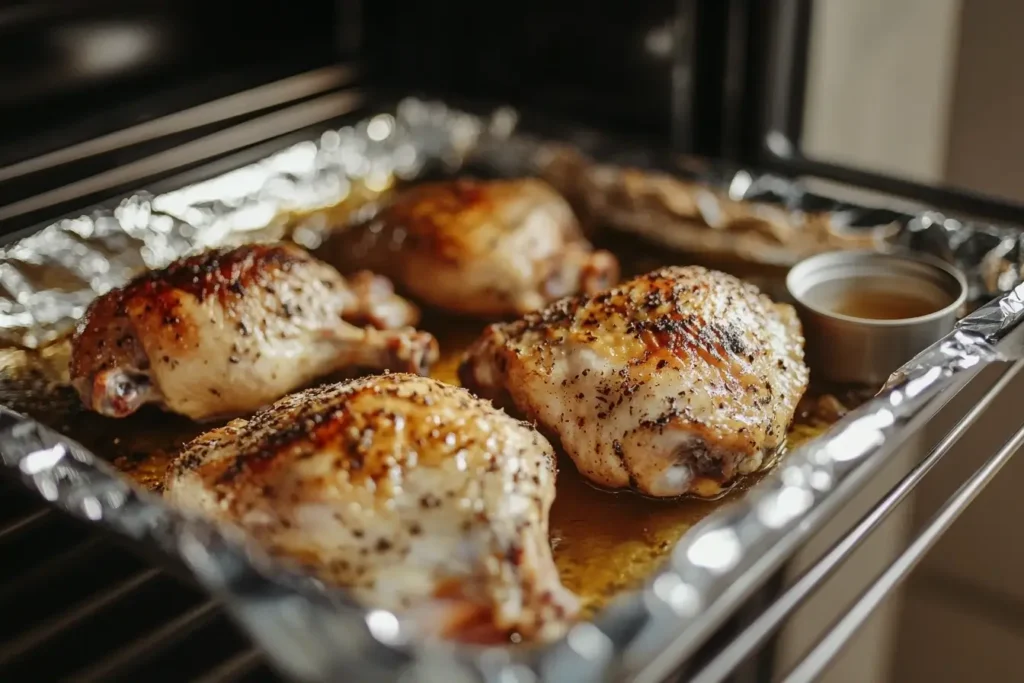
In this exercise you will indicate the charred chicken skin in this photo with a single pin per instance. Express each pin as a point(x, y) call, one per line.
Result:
point(486, 248)
point(226, 332)
point(416, 495)
point(673, 383)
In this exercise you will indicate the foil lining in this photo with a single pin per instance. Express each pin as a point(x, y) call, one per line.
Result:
point(307, 190)
point(311, 188)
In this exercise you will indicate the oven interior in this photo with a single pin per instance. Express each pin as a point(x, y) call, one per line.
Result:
point(107, 86)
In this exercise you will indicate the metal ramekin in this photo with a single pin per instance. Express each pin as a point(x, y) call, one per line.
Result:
point(845, 349)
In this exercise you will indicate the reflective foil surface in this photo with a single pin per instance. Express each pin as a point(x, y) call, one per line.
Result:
point(306, 191)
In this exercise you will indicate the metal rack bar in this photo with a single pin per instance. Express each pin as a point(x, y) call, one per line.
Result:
point(237, 137)
point(82, 601)
point(837, 636)
point(234, 668)
point(226, 108)
point(47, 570)
point(26, 523)
point(173, 630)
point(35, 637)
point(774, 617)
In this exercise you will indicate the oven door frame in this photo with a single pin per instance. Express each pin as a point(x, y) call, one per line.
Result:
point(765, 61)
point(752, 59)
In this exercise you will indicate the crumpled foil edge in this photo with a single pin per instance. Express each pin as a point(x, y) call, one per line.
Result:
point(318, 635)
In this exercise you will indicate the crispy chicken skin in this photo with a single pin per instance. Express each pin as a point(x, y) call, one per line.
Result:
point(673, 383)
point(485, 248)
point(420, 497)
point(226, 332)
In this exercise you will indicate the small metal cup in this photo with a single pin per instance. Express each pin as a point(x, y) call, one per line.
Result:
point(855, 350)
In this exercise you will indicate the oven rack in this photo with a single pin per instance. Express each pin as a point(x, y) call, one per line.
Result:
point(79, 606)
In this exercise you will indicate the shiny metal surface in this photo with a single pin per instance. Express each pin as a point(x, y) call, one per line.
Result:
point(775, 616)
point(317, 635)
point(816, 661)
point(273, 94)
point(847, 349)
point(250, 132)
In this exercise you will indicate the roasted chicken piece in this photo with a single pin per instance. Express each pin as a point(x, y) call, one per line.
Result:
point(486, 248)
point(673, 383)
point(226, 332)
point(420, 497)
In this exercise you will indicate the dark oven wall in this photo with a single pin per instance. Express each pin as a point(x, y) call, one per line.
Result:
point(608, 64)
point(75, 69)
point(72, 70)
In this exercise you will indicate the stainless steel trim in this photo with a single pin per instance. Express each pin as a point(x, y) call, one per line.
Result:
point(774, 617)
point(288, 120)
point(837, 636)
point(272, 94)
point(688, 642)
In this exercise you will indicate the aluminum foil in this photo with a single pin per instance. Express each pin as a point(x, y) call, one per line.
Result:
point(306, 190)
point(311, 188)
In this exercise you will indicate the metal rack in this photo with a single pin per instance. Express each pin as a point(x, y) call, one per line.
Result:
point(79, 607)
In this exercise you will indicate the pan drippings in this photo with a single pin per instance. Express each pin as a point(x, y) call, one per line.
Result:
point(604, 543)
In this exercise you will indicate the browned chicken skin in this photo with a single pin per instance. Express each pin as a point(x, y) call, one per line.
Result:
point(228, 331)
point(488, 248)
point(673, 383)
point(416, 495)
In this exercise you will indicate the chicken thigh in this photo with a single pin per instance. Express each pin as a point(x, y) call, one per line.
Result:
point(673, 383)
point(226, 332)
point(487, 248)
point(415, 494)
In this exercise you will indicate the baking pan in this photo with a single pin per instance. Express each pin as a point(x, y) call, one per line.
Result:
point(657, 582)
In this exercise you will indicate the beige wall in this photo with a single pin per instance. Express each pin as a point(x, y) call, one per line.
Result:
point(985, 147)
point(932, 90)
point(880, 82)
point(964, 618)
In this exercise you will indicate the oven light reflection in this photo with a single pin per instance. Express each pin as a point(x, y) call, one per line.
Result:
point(821, 481)
point(92, 508)
point(110, 47)
point(516, 673)
point(380, 127)
point(919, 384)
point(330, 141)
point(378, 181)
point(859, 438)
point(791, 502)
point(384, 626)
point(717, 551)
point(41, 461)
point(677, 594)
point(589, 642)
